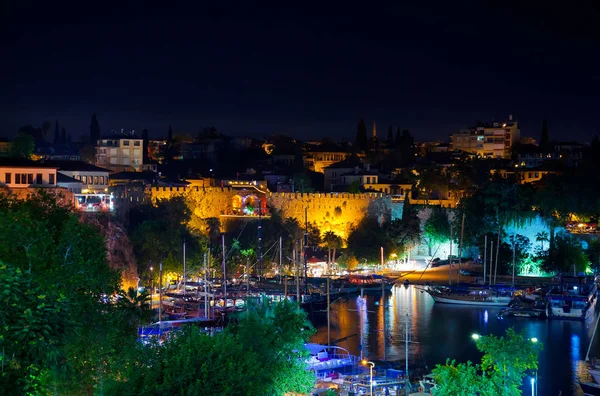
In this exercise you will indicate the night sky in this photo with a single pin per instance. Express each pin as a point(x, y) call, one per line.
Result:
point(303, 70)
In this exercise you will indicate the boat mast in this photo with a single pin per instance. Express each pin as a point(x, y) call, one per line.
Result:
point(513, 263)
point(462, 232)
point(491, 260)
point(450, 258)
point(205, 288)
point(224, 270)
point(305, 250)
point(484, 256)
point(383, 307)
point(260, 258)
point(184, 272)
point(406, 353)
point(497, 251)
point(160, 293)
point(296, 271)
point(328, 311)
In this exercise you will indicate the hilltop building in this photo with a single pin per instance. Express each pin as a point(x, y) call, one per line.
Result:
point(488, 141)
point(120, 153)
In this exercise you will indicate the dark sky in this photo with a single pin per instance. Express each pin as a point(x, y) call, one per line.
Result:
point(301, 69)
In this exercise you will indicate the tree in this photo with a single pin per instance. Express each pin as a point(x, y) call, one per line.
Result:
point(366, 240)
point(63, 136)
point(57, 267)
point(354, 187)
point(56, 133)
point(566, 255)
point(541, 237)
point(94, 130)
point(503, 366)
point(362, 141)
point(22, 146)
point(390, 137)
point(34, 325)
point(332, 242)
point(544, 139)
point(170, 135)
point(437, 227)
point(263, 354)
point(45, 128)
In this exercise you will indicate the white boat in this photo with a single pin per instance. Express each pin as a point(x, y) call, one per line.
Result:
point(595, 373)
point(572, 299)
point(329, 358)
point(475, 297)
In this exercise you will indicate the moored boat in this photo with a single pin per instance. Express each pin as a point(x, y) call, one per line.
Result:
point(522, 313)
point(590, 388)
point(572, 298)
point(474, 296)
point(369, 284)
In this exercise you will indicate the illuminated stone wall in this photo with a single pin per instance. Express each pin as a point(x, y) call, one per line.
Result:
point(337, 212)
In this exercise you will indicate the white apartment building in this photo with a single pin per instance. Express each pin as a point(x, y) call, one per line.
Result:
point(490, 141)
point(23, 173)
point(120, 153)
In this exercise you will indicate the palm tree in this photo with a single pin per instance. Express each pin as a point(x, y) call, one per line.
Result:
point(134, 308)
point(542, 237)
point(333, 242)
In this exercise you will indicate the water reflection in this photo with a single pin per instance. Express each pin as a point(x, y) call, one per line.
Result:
point(444, 331)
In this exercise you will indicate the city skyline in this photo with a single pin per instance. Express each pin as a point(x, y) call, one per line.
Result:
point(307, 73)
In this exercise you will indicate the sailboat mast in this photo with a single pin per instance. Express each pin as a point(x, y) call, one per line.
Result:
point(280, 259)
point(260, 258)
point(205, 288)
point(450, 258)
point(383, 306)
point(484, 257)
point(462, 232)
point(406, 349)
point(305, 250)
point(328, 317)
point(184, 272)
point(160, 293)
point(224, 270)
point(296, 271)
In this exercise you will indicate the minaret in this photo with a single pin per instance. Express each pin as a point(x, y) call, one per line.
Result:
point(374, 130)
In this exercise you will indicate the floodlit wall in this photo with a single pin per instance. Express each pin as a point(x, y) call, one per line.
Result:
point(337, 212)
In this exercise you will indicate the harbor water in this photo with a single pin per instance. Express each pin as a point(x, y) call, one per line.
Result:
point(441, 331)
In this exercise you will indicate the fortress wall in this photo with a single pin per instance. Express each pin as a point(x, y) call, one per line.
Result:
point(337, 212)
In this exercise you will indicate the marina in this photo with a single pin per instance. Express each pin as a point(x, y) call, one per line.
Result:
point(441, 331)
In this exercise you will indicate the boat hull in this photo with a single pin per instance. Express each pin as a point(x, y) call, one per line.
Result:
point(590, 388)
point(473, 302)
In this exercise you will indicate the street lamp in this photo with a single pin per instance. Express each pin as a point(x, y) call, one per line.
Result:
point(365, 362)
point(532, 386)
point(475, 336)
point(151, 287)
point(534, 380)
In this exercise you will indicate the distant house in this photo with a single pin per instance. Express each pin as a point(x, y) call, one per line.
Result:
point(24, 173)
point(94, 180)
point(120, 153)
point(339, 176)
point(317, 158)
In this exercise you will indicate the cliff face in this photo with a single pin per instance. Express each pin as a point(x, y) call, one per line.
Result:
point(119, 251)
